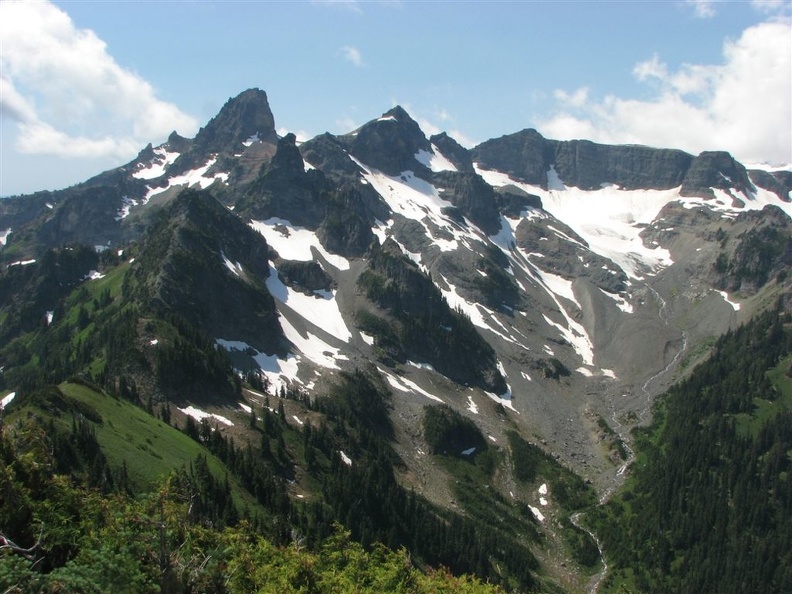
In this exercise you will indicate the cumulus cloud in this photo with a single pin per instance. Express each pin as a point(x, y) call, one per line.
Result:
point(67, 94)
point(741, 105)
point(352, 55)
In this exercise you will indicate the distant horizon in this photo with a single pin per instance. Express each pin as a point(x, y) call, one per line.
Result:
point(85, 86)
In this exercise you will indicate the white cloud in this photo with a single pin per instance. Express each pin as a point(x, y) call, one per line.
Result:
point(67, 94)
point(301, 135)
point(352, 55)
point(576, 99)
point(770, 5)
point(704, 9)
point(346, 125)
point(742, 105)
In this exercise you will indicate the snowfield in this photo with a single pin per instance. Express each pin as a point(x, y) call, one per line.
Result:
point(321, 308)
point(435, 160)
point(610, 220)
point(295, 243)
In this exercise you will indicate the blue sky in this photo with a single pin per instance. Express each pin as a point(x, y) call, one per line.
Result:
point(85, 85)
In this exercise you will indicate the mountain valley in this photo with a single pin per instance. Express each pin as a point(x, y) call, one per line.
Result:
point(486, 326)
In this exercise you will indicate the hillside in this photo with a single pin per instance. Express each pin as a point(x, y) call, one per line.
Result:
point(707, 508)
point(437, 348)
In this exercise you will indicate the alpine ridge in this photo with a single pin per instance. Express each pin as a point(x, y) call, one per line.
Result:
point(534, 295)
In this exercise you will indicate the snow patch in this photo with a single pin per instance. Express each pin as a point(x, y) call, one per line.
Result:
point(404, 385)
point(344, 458)
point(157, 166)
point(574, 332)
point(234, 267)
point(506, 402)
point(312, 347)
point(420, 365)
point(621, 302)
point(199, 415)
point(472, 405)
point(537, 514)
point(7, 400)
point(276, 370)
point(189, 179)
point(50, 315)
point(434, 160)
point(4, 236)
point(416, 199)
point(295, 243)
point(321, 309)
point(725, 295)
point(468, 451)
point(126, 206)
point(251, 139)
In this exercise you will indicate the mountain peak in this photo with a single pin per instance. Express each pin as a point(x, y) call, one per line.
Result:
point(398, 113)
point(388, 147)
point(246, 116)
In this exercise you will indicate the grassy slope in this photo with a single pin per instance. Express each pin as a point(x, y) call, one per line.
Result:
point(150, 448)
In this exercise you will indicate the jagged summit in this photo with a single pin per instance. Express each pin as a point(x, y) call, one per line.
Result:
point(390, 142)
point(243, 118)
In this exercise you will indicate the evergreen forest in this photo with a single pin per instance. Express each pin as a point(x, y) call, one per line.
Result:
point(709, 505)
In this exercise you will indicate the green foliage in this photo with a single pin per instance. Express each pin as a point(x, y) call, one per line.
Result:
point(191, 362)
point(553, 368)
point(530, 463)
point(759, 252)
point(69, 538)
point(497, 286)
point(448, 432)
point(708, 509)
point(581, 546)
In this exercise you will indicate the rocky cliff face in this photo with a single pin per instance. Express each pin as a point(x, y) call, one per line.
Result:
point(388, 143)
point(244, 118)
point(528, 156)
